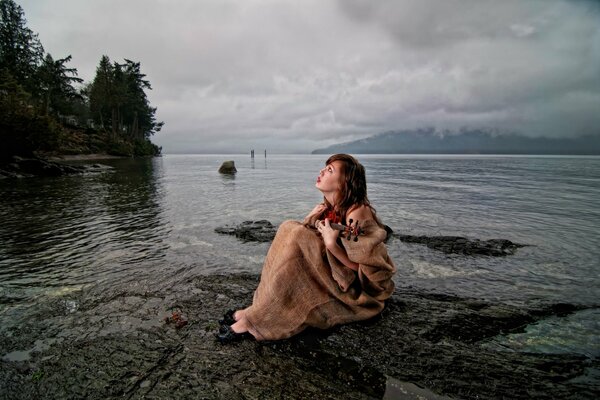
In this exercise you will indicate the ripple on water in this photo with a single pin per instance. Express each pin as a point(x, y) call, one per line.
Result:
point(153, 218)
point(577, 333)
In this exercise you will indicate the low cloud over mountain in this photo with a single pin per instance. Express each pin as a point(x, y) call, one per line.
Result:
point(466, 141)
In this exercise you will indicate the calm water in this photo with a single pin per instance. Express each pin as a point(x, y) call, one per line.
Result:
point(149, 219)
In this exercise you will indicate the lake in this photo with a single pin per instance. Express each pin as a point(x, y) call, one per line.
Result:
point(152, 218)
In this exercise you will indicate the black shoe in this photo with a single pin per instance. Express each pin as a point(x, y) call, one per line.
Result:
point(228, 318)
point(227, 335)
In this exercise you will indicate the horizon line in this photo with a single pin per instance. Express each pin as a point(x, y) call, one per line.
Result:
point(384, 154)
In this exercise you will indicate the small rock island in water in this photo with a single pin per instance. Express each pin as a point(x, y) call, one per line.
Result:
point(228, 167)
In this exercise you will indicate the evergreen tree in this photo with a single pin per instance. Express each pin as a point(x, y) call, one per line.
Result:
point(118, 100)
point(100, 93)
point(14, 109)
point(22, 132)
point(56, 85)
point(20, 50)
point(139, 114)
point(35, 91)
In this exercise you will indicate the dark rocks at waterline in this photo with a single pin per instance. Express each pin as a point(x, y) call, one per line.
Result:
point(29, 167)
point(115, 344)
point(461, 245)
point(264, 231)
point(250, 231)
point(228, 168)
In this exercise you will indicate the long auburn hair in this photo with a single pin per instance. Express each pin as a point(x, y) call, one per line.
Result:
point(353, 187)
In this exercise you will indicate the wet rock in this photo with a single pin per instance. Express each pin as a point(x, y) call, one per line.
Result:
point(389, 233)
point(36, 167)
point(461, 245)
point(250, 231)
point(4, 174)
point(29, 167)
point(423, 342)
point(264, 231)
point(93, 168)
point(145, 384)
point(228, 167)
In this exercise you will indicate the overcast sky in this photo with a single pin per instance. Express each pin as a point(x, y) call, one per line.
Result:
point(292, 76)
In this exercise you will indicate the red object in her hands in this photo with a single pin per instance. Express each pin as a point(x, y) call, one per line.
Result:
point(332, 216)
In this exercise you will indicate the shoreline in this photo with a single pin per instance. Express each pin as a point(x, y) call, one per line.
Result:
point(43, 165)
point(115, 342)
point(84, 157)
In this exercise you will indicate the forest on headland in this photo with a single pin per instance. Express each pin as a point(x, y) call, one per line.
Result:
point(47, 110)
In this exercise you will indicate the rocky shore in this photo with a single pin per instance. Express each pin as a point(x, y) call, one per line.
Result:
point(116, 343)
point(264, 231)
point(20, 167)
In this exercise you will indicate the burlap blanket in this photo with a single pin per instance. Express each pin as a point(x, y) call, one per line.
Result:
point(303, 285)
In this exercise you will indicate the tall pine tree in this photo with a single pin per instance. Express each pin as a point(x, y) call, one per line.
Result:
point(56, 85)
point(100, 93)
point(21, 52)
point(118, 100)
point(37, 91)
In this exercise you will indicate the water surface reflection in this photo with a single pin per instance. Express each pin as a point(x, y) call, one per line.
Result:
point(73, 230)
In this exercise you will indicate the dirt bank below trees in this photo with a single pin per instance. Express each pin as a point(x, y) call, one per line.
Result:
point(114, 343)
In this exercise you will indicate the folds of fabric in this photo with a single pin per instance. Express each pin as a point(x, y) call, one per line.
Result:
point(303, 285)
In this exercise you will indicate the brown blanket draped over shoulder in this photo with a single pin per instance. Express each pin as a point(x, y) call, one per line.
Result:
point(303, 285)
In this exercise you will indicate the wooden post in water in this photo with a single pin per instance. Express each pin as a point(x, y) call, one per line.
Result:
point(265, 153)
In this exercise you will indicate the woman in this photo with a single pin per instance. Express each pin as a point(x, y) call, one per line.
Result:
point(314, 277)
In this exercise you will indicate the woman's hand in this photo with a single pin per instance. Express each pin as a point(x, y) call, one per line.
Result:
point(318, 210)
point(329, 234)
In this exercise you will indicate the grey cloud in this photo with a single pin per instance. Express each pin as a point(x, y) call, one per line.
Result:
point(425, 24)
point(300, 75)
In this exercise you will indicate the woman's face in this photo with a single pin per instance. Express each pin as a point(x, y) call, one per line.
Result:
point(330, 178)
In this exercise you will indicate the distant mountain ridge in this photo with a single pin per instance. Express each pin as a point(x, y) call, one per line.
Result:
point(429, 141)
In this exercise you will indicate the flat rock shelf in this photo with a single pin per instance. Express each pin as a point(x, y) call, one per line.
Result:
point(36, 167)
point(264, 231)
point(116, 343)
